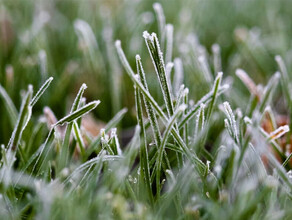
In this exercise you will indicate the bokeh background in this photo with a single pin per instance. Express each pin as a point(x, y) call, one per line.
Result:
point(73, 41)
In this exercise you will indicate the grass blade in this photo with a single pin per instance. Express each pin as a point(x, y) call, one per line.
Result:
point(23, 118)
point(216, 58)
point(41, 91)
point(158, 62)
point(79, 139)
point(215, 94)
point(178, 77)
point(269, 91)
point(11, 109)
point(161, 20)
point(169, 42)
point(78, 113)
point(144, 160)
point(162, 147)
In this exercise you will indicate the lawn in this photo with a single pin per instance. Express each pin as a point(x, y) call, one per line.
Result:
point(138, 109)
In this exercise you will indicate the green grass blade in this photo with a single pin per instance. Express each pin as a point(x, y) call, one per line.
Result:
point(11, 109)
point(200, 120)
point(41, 91)
point(161, 20)
point(230, 122)
point(79, 139)
point(217, 58)
point(269, 91)
point(78, 113)
point(144, 160)
point(158, 62)
point(216, 87)
point(162, 147)
point(23, 118)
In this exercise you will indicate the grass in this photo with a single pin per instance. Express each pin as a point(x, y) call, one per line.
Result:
point(182, 128)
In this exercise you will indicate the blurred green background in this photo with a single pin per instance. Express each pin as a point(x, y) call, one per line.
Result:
point(39, 39)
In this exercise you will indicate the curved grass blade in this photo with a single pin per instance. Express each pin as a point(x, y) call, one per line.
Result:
point(65, 145)
point(41, 91)
point(11, 109)
point(269, 91)
point(91, 162)
point(23, 118)
point(78, 113)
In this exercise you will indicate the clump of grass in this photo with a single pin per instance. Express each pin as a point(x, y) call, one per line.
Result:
point(181, 162)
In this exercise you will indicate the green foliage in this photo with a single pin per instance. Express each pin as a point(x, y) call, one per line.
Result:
point(197, 145)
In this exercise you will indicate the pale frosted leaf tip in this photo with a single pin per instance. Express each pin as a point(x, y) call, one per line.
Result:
point(201, 58)
point(153, 35)
point(220, 74)
point(30, 88)
point(182, 107)
point(279, 132)
point(247, 120)
point(118, 43)
point(277, 75)
point(169, 26)
point(227, 106)
point(95, 103)
point(138, 57)
point(225, 86)
point(216, 48)
point(240, 72)
point(278, 58)
point(268, 109)
point(169, 64)
point(146, 35)
point(113, 132)
point(84, 86)
point(46, 109)
point(186, 91)
point(157, 6)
